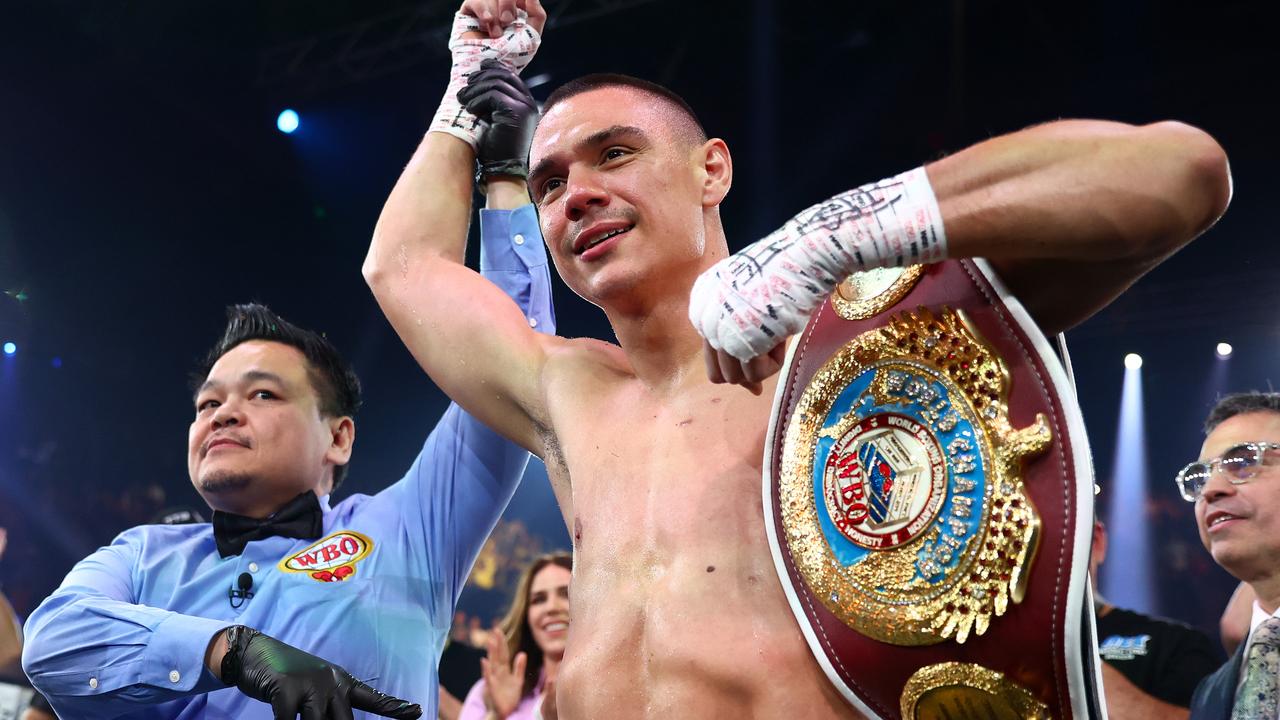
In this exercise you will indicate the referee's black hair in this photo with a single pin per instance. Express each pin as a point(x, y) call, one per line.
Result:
point(332, 377)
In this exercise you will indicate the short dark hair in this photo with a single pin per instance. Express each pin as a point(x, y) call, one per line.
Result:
point(595, 81)
point(332, 377)
point(1234, 404)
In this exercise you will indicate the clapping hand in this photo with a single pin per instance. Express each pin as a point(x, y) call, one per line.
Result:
point(503, 678)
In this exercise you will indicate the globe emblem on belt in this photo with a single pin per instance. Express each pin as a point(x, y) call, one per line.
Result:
point(884, 481)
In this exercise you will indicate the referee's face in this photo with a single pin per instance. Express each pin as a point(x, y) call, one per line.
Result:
point(258, 438)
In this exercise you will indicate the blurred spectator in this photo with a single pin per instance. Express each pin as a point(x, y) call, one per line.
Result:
point(39, 709)
point(526, 647)
point(477, 636)
point(10, 629)
point(458, 633)
point(1152, 665)
point(459, 670)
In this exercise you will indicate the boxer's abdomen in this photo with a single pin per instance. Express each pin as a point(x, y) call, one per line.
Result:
point(676, 607)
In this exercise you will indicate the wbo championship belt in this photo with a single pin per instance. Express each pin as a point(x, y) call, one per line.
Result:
point(928, 493)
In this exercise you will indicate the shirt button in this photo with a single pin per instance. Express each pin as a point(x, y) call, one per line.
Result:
point(253, 567)
point(519, 239)
point(93, 683)
point(174, 676)
point(533, 322)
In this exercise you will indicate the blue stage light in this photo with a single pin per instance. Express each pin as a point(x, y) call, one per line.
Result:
point(56, 362)
point(1128, 580)
point(10, 348)
point(287, 121)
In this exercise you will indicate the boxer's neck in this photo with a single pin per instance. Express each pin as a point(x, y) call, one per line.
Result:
point(659, 341)
point(654, 330)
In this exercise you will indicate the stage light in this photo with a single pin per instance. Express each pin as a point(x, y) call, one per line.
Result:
point(10, 348)
point(1128, 576)
point(287, 121)
point(1133, 361)
point(1224, 350)
point(56, 362)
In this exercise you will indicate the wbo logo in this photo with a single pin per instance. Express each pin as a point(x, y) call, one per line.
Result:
point(330, 559)
point(884, 481)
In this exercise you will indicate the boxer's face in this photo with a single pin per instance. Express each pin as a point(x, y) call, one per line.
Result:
point(258, 438)
point(1240, 524)
point(619, 192)
point(549, 609)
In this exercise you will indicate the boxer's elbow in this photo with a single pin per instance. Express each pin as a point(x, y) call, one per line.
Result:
point(1193, 180)
point(1201, 174)
point(375, 275)
point(375, 268)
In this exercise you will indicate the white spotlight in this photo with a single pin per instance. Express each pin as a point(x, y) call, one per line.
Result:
point(1224, 350)
point(287, 121)
point(1133, 361)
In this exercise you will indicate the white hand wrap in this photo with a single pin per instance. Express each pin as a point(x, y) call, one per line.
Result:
point(514, 49)
point(754, 299)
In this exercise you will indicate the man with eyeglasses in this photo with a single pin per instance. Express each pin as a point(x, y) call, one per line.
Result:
point(1236, 490)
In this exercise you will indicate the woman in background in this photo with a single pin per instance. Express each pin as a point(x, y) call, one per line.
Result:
point(524, 653)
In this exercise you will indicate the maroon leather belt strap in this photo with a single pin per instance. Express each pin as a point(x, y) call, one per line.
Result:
point(928, 492)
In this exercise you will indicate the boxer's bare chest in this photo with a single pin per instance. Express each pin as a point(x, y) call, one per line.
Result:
point(672, 565)
point(646, 470)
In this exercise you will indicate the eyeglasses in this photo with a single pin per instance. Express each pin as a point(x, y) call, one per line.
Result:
point(1240, 464)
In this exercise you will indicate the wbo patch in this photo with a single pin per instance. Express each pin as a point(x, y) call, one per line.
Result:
point(330, 559)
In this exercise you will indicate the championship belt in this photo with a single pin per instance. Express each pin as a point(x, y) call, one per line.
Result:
point(929, 499)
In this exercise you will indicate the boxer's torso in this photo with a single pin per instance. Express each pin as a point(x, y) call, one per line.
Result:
point(676, 606)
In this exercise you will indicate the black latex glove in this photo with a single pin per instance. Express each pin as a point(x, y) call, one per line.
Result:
point(294, 682)
point(498, 96)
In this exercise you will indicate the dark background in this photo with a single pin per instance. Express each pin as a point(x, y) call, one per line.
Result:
point(143, 187)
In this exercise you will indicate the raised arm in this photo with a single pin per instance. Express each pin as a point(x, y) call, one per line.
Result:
point(472, 340)
point(1071, 213)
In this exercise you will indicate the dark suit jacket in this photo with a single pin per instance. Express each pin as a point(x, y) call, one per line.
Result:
point(1216, 694)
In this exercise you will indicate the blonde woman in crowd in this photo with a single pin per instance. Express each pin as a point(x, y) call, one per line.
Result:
point(525, 651)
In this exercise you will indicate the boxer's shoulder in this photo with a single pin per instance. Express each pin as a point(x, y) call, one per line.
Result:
point(587, 360)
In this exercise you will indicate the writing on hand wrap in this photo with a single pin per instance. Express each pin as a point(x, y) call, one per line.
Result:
point(748, 302)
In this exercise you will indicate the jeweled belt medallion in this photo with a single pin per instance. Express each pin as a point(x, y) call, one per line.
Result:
point(900, 487)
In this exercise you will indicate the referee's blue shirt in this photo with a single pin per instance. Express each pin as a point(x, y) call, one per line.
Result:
point(126, 633)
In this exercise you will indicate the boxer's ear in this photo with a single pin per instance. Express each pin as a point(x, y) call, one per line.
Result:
point(717, 171)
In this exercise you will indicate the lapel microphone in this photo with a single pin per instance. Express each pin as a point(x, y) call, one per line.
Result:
point(245, 582)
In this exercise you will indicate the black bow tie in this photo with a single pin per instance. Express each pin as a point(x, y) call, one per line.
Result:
point(301, 518)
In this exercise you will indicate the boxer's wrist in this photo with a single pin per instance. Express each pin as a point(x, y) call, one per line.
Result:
point(891, 223)
point(514, 49)
point(749, 302)
point(505, 193)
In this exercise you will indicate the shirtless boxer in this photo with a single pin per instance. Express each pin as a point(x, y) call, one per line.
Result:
point(677, 610)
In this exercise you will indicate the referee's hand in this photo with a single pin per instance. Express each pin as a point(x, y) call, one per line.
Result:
point(294, 682)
